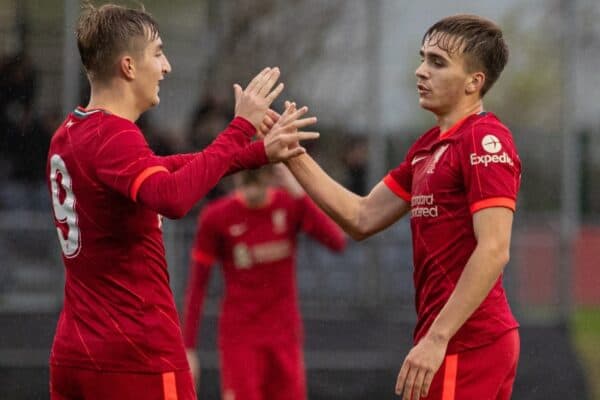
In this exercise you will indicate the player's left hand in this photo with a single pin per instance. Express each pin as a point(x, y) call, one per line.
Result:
point(419, 368)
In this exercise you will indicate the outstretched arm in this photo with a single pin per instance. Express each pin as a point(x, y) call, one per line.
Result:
point(359, 216)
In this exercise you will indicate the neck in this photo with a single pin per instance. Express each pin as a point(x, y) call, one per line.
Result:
point(116, 99)
point(447, 121)
point(254, 197)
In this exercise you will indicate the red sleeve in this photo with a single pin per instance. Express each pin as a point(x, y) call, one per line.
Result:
point(320, 227)
point(399, 180)
point(174, 194)
point(124, 159)
point(201, 260)
point(176, 161)
point(491, 167)
point(250, 157)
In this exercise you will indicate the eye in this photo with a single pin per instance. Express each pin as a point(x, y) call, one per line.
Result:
point(438, 62)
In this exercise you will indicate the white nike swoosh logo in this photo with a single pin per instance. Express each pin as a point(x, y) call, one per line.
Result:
point(417, 159)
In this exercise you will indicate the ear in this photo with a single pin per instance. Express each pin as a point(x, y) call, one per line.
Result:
point(475, 83)
point(127, 67)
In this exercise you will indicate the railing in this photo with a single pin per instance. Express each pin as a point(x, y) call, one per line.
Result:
point(371, 278)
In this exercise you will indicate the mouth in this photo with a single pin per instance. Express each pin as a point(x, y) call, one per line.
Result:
point(422, 89)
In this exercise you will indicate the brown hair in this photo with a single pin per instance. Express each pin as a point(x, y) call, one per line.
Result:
point(479, 39)
point(104, 33)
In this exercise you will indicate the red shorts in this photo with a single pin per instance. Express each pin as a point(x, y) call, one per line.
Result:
point(67, 383)
point(484, 373)
point(262, 372)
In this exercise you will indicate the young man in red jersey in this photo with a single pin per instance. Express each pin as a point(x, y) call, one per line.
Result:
point(459, 182)
point(253, 234)
point(118, 335)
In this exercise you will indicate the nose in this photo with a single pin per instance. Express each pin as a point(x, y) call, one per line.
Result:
point(166, 66)
point(420, 72)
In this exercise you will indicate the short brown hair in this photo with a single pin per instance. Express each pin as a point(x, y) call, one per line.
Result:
point(478, 38)
point(104, 33)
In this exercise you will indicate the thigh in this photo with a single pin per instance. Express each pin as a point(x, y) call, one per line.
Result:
point(76, 384)
point(241, 370)
point(285, 378)
point(485, 373)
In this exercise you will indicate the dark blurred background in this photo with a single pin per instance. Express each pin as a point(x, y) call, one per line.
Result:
point(352, 62)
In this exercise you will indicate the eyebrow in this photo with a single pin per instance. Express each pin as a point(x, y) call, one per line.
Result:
point(433, 54)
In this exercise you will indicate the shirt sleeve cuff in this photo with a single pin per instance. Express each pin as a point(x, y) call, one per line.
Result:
point(396, 188)
point(506, 202)
point(244, 125)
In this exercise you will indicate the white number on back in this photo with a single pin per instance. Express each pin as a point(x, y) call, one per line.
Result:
point(64, 208)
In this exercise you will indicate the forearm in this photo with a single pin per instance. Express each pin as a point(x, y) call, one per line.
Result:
point(176, 161)
point(174, 194)
point(336, 201)
point(250, 157)
point(237, 135)
point(479, 276)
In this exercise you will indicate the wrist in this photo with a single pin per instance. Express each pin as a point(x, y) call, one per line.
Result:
point(438, 336)
point(244, 125)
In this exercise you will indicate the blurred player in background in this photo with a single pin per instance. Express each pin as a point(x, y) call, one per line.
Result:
point(459, 181)
point(253, 234)
point(118, 335)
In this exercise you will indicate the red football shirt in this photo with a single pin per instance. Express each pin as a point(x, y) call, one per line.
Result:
point(256, 248)
point(446, 178)
point(118, 313)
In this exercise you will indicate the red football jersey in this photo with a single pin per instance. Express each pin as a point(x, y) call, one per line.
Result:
point(119, 313)
point(256, 248)
point(447, 178)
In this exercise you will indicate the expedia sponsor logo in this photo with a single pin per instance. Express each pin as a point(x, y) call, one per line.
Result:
point(423, 206)
point(491, 144)
point(488, 159)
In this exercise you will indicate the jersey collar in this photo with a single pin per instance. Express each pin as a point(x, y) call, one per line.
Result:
point(456, 126)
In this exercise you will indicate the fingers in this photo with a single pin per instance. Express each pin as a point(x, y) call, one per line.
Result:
point(237, 91)
point(258, 79)
point(427, 383)
point(401, 378)
point(264, 86)
point(273, 115)
point(417, 387)
point(275, 93)
point(301, 123)
point(408, 385)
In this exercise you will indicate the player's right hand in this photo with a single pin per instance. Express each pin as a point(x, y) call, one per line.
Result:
point(283, 140)
point(192, 357)
point(253, 102)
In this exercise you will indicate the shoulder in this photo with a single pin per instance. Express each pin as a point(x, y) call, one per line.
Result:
point(112, 125)
point(489, 123)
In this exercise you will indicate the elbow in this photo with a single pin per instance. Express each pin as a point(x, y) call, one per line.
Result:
point(173, 211)
point(359, 233)
point(499, 253)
